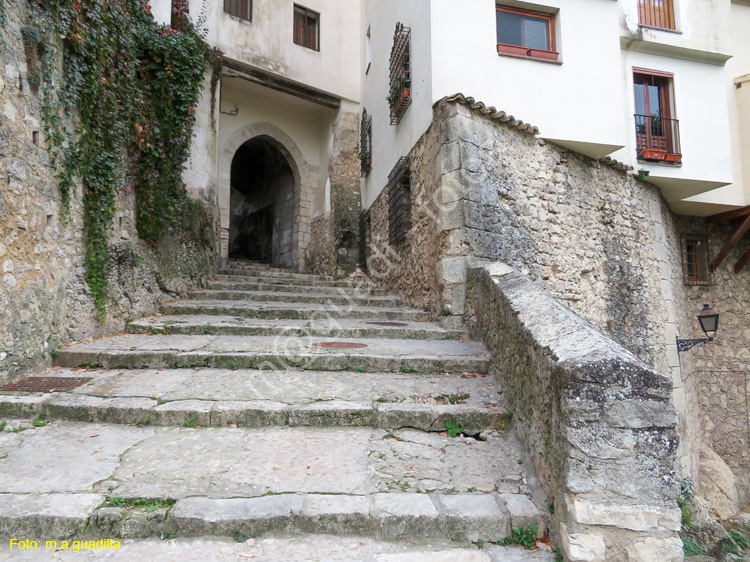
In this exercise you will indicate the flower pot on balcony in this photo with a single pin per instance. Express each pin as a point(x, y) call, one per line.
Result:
point(512, 49)
point(544, 55)
point(405, 93)
point(651, 154)
point(368, 162)
point(674, 158)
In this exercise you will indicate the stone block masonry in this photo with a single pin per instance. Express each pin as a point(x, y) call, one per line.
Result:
point(597, 239)
point(44, 298)
point(598, 424)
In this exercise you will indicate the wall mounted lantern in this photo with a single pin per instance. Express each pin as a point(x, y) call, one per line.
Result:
point(709, 321)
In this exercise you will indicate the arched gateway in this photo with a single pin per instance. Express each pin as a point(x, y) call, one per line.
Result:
point(265, 197)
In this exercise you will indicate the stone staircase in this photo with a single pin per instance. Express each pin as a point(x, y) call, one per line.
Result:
point(323, 414)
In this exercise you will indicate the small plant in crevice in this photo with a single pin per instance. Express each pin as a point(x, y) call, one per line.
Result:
point(690, 548)
point(525, 537)
point(453, 427)
point(40, 420)
point(238, 536)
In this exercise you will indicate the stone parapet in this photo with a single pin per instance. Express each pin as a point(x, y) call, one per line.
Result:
point(598, 423)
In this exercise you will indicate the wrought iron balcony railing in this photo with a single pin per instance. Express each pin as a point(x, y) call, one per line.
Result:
point(657, 138)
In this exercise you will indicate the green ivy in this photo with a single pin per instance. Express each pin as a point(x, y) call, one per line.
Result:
point(134, 85)
point(3, 22)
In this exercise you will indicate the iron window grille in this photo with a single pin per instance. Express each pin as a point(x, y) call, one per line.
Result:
point(306, 28)
point(365, 145)
point(399, 81)
point(242, 9)
point(399, 202)
point(695, 267)
point(364, 237)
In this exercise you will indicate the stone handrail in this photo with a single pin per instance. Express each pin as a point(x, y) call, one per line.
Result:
point(596, 421)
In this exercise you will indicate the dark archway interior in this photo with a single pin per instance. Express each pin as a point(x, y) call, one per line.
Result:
point(261, 203)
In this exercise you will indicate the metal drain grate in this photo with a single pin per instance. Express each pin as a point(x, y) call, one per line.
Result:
point(46, 384)
point(340, 345)
point(388, 323)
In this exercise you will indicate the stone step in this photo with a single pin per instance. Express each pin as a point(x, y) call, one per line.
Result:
point(270, 310)
point(342, 328)
point(266, 352)
point(342, 283)
point(393, 485)
point(305, 548)
point(221, 397)
point(340, 289)
point(296, 297)
point(273, 274)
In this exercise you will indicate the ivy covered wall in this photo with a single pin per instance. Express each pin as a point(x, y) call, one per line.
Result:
point(98, 105)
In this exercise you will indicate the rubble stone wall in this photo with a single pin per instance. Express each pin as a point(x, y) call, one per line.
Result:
point(321, 255)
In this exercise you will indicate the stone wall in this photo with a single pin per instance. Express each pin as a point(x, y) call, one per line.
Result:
point(600, 241)
point(321, 255)
point(597, 423)
point(720, 370)
point(343, 172)
point(44, 298)
point(410, 267)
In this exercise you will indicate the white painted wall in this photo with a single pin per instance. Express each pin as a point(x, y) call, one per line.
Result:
point(390, 142)
point(701, 27)
point(266, 42)
point(577, 103)
point(200, 170)
point(306, 123)
point(701, 108)
point(737, 193)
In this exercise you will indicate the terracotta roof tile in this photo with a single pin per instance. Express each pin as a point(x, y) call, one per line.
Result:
point(493, 113)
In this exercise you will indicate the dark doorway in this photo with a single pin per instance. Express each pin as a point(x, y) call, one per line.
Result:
point(261, 203)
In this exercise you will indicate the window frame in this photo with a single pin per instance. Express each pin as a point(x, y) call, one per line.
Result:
point(307, 13)
point(668, 107)
point(249, 4)
point(700, 262)
point(644, 13)
point(550, 55)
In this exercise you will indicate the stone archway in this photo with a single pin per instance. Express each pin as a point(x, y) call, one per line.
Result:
point(304, 178)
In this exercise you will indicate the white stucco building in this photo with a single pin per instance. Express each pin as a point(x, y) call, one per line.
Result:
point(581, 80)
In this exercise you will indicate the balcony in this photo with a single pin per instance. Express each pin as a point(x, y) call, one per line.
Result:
point(657, 139)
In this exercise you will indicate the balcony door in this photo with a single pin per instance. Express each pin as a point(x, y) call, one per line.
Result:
point(655, 127)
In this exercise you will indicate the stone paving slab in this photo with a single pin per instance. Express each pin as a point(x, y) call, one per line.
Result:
point(310, 548)
point(276, 353)
point(359, 289)
point(220, 397)
point(295, 297)
point(177, 463)
point(238, 277)
point(293, 310)
point(271, 274)
point(321, 327)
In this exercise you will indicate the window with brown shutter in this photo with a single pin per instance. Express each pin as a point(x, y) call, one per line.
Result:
point(656, 13)
point(242, 9)
point(306, 28)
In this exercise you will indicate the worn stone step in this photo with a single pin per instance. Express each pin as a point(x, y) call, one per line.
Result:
point(221, 397)
point(286, 310)
point(272, 274)
point(296, 297)
point(266, 352)
point(304, 282)
point(342, 328)
point(227, 481)
point(305, 548)
point(342, 289)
